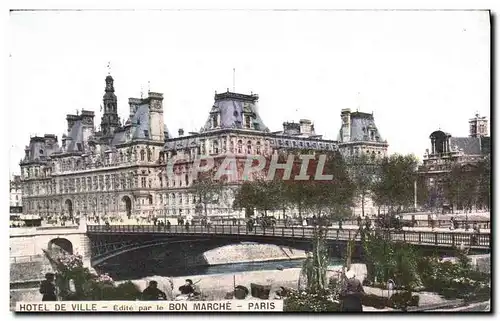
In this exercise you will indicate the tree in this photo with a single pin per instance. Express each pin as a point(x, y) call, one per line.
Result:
point(363, 170)
point(326, 198)
point(206, 189)
point(484, 197)
point(395, 188)
point(467, 184)
point(246, 198)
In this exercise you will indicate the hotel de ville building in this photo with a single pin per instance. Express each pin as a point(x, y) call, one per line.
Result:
point(120, 170)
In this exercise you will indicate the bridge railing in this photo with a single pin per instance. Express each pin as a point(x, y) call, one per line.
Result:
point(416, 237)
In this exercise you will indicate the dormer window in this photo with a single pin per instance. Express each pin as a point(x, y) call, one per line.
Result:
point(372, 135)
point(215, 123)
point(248, 123)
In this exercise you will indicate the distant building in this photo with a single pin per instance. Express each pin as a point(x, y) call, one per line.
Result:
point(447, 151)
point(359, 135)
point(120, 170)
point(16, 195)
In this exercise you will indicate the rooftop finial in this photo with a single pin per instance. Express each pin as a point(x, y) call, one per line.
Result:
point(109, 67)
point(234, 80)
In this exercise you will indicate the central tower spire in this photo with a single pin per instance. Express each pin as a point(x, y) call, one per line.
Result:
point(109, 121)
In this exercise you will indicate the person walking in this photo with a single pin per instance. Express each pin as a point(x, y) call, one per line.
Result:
point(352, 294)
point(47, 288)
point(152, 293)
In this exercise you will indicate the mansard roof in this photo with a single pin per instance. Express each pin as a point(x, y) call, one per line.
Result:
point(232, 107)
point(471, 145)
point(75, 138)
point(361, 125)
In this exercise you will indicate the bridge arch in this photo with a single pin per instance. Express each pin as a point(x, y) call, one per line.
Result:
point(127, 205)
point(68, 205)
point(60, 244)
point(201, 245)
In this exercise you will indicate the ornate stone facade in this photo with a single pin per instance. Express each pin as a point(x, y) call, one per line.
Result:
point(447, 150)
point(120, 170)
point(16, 194)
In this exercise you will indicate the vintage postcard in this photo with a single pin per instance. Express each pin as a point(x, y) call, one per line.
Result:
point(250, 161)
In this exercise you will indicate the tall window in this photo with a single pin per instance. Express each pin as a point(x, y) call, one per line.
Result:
point(214, 121)
point(150, 154)
point(240, 146)
point(257, 147)
point(142, 154)
point(247, 121)
point(215, 147)
point(249, 147)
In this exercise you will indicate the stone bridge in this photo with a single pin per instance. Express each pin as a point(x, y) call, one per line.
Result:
point(111, 241)
point(98, 243)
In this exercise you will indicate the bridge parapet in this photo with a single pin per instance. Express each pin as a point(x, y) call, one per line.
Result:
point(427, 238)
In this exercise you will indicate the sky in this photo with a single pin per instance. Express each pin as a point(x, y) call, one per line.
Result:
point(417, 71)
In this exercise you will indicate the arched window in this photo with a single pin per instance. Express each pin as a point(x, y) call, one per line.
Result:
point(257, 147)
point(240, 146)
point(149, 155)
point(142, 154)
point(150, 199)
point(249, 147)
point(186, 178)
point(231, 146)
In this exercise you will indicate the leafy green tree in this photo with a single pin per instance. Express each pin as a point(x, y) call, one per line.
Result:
point(364, 171)
point(463, 184)
point(246, 198)
point(207, 189)
point(395, 188)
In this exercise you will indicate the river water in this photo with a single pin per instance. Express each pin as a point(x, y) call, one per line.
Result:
point(126, 271)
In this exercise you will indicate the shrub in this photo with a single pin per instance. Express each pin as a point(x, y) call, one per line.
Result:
point(402, 300)
point(372, 300)
point(306, 302)
point(127, 291)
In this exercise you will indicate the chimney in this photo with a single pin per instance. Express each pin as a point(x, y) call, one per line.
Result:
point(71, 119)
point(133, 104)
point(87, 117)
point(181, 132)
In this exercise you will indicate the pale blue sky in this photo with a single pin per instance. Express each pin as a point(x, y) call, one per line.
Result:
point(416, 70)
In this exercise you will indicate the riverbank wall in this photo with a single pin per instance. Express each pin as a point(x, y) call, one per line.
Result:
point(251, 252)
